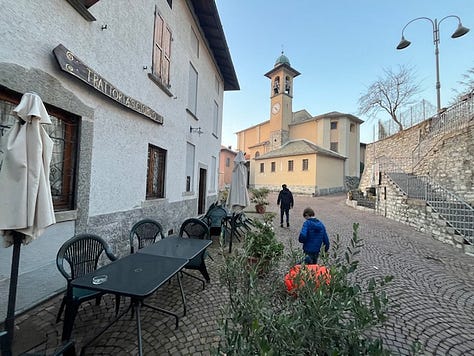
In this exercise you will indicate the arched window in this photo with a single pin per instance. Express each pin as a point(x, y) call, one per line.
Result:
point(276, 85)
point(257, 154)
point(287, 85)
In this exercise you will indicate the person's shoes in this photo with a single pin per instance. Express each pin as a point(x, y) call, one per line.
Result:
point(287, 224)
point(281, 225)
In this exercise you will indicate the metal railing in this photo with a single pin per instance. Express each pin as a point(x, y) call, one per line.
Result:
point(449, 206)
point(410, 117)
point(455, 118)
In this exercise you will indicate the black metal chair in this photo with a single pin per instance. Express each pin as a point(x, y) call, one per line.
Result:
point(145, 232)
point(79, 256)
point(215, 219)
point(196, 229)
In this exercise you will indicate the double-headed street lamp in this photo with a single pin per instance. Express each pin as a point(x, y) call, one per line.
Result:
point(460, 31)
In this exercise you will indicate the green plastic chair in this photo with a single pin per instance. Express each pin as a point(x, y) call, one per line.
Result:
point(144, 233)
point(195, 228)
point(79, 256)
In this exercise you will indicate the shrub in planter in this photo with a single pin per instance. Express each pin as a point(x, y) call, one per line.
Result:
point(261, 242)
point(261, 318)
point(259, 196)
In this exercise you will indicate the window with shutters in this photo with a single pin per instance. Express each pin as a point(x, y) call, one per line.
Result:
point(161, 51)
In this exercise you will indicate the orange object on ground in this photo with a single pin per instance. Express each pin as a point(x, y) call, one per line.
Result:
point(315, 270)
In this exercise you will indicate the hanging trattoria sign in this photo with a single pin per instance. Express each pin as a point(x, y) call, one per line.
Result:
point(74, 66)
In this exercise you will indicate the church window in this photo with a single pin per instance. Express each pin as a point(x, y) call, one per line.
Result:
point(305, 164)
point(262, 167)
point(334, 146)
point(333, 125)
point(290, 165)
point(273, 165)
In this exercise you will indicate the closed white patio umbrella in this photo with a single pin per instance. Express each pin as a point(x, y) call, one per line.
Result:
point(26, 206)
point(238, 197)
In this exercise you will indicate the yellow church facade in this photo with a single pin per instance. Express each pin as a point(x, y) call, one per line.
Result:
point(311, 154)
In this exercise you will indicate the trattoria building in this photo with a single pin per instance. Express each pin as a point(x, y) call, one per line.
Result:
point(135, 94)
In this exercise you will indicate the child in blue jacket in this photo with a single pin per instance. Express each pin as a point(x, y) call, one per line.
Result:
point(313, 235)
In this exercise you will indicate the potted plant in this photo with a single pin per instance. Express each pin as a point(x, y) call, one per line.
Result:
point(259, 198)
point(261, 245)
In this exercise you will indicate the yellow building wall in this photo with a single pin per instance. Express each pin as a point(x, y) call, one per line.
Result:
point(323, 173)
point(297, 177)
point(330, 172)
point(307, 130)
point(253, 139)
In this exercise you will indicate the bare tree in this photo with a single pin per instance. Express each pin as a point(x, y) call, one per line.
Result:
point(390, 93)
point(466, 86)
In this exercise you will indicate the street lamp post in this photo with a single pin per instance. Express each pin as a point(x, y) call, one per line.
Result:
point(460, 31)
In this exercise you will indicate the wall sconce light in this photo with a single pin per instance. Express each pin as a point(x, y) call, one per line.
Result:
point(196, 129)
point(104, 27)
point(145, 67)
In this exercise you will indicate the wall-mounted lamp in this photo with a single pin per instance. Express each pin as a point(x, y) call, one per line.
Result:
point(196, 129)
point(145, 67)
point(103, 27)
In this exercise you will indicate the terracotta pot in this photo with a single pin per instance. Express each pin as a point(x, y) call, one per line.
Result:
point(260, 208)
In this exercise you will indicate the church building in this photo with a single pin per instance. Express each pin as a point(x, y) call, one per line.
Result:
point(311, 154)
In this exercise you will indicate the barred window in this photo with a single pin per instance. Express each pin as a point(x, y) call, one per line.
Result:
point(305, 164)
point(290, 165)
point(155, 180)
point(63, 131)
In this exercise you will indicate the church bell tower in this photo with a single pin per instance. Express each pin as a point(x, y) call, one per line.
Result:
point(281, 100)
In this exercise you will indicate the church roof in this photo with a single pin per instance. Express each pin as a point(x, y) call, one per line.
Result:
point(299, 147)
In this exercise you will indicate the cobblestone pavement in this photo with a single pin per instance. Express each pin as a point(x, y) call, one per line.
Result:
point(433, 290)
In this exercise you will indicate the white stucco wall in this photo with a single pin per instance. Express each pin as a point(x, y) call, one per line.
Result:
point(119, 137)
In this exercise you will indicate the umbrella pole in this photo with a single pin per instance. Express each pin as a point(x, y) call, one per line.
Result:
point(10, 320)
point(232, 224)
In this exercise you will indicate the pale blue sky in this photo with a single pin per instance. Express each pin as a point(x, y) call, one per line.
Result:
point(340, 47)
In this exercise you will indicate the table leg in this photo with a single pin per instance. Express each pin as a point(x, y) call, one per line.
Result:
point(182, 294)
point(83, 350)
point(139, 329)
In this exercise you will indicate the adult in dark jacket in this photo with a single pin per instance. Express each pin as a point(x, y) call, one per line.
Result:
point(313, 235)
point(285, 200)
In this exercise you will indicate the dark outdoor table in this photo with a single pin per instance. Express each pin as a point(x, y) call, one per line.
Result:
point(136, 276)
point(177, 247)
